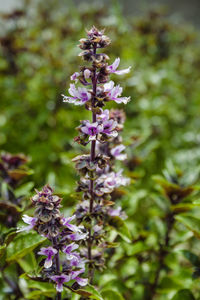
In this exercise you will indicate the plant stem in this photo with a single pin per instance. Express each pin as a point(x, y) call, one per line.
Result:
point(92, 157)
point(162, 254)
point(57, 260)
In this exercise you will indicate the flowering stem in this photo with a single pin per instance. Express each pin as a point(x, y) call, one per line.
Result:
point(57, 261)
point(92, 157)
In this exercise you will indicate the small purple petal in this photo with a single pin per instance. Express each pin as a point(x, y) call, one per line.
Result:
point(87, 73)
point(113, 68)
point(60, 279)
point(49, 252)
point(28, 220)
point(82, 281)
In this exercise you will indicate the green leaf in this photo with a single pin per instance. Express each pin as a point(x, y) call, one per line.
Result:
point(38, 294)
point(3, 255)
point(29, 263)
point(121, 228)
point(193, 258)
point(88, 291)
point(190, 222)
point(94, 293)
point(24, 189)
point(169, 284)
point(22, 245)
point(109, 294)
point(183, 295)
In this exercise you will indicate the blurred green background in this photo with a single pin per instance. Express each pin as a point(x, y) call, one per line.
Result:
point(38, 53)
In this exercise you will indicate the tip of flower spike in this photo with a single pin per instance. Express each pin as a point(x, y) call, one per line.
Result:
point(95, 31)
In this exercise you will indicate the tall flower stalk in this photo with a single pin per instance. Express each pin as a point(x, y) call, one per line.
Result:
point(97, 177)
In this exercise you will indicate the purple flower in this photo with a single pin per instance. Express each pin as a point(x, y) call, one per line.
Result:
point(66, 222)
point(78, 236)
point(113, 68)
point(80, 281)
point(68, 250)
point(75, 76)
point(104, 116)
point(87, 73)
point(49, 252)
point(77, 261)
point(109, 126)
point(28, 220)
point(113, 180)
point(97, 228)
point(60, 279)
point(117, 212)
point(79, 96)
point(92, 129)
point(116, 152)
point(114, 93)
point(77, 230)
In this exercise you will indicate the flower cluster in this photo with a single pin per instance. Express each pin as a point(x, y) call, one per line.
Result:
point(62, 263)
point(98, 178)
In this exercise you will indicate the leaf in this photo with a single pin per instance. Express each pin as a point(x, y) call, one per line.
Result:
point(94, 293)
point(37, 294)
point(183, 295)
point(182, 207)
point(22, 245)
point(3, 255)
point(193, 258)
point(88, 291)
point(18, 174)
point(29, 263)
point(121, 228)
point(136, 248)
point(24, 189)
point(172, 189)
point(190, 222)
point(169, 284)
point(10, 208)
point(109, 294)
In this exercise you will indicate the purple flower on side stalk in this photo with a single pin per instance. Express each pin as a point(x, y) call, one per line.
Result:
point(59, 280)
point(113, 68)
point(92, 129)
point(116, 152)
point(79, 280)
point(114, 93)
point(49, 252)
point(28, 220)
point(79, 96)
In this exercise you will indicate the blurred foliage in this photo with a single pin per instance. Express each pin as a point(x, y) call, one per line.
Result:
point(158, 257)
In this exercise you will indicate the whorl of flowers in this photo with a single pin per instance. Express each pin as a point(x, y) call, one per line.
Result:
point(62, 261)
point(98, 179)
